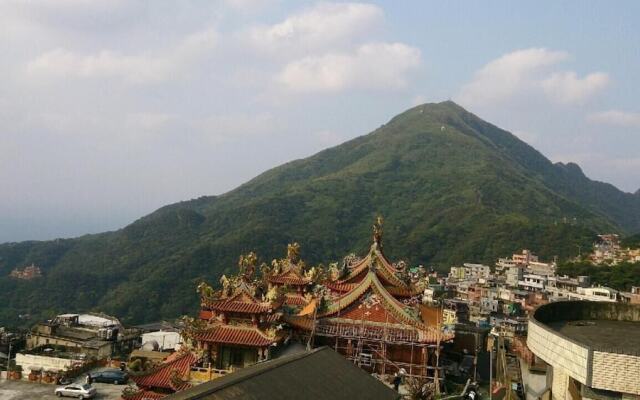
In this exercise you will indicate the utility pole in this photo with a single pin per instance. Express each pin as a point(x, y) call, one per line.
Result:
point(493, 338)
point(8, 360)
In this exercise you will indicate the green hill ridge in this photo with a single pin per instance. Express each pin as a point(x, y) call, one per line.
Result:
point(452, 188)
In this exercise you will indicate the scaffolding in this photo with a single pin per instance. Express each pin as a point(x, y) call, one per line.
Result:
point(368, 346)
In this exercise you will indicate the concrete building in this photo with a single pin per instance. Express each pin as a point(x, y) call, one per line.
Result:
point(513, 275)
point(477, 270)
point(93, 335)
point(592, 348)
point(599, 293)
point(527, 261)
point(533, 282)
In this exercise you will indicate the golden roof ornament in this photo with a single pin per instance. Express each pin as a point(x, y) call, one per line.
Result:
point(247, 265)
point(377, 231)
point(293, 252)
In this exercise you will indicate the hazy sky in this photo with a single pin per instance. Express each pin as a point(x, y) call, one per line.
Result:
point(110, 109)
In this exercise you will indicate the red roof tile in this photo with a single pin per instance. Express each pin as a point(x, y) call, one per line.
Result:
point(239, 306)
point(290, 278)
point(299, 322)
point(402, 292)
point(378, 313)
point(295, 300)
point(239, 335)
point(144, 395)
point(340, 287)
point(205, 314)
point(160, 377)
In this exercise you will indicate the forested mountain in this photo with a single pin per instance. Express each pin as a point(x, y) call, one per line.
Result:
point(451, 187)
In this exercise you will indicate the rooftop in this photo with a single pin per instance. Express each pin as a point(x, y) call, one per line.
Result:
point(602, 334)
point(318, 374)
point(601, 326)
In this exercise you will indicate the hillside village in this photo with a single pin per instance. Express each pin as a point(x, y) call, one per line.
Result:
point(408, 326)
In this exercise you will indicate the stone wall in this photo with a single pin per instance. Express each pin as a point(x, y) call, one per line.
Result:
point(30, 362)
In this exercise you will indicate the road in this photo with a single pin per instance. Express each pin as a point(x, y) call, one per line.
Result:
point(25, 390)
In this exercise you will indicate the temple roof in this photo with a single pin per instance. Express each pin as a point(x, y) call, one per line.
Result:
point(236, 334)
point(293, 299)
point(384, 269)
point(241, 300)
point(239, 306)
point(372, 284)
point(290, 277)
point(144, 395)
point(178, 364)
point(369, 304)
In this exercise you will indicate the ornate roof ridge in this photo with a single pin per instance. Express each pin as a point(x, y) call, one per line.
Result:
point(398, 306)
point(238, 327)
point(348, 298)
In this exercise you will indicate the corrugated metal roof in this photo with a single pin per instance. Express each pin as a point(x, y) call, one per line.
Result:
point(319, 374)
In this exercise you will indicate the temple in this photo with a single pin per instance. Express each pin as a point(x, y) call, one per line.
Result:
point(173, 375)
point(288, 274)
point(367, 309)
point(370, 313)
point(239, 323)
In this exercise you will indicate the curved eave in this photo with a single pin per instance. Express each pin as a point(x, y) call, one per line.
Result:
point(372, 282)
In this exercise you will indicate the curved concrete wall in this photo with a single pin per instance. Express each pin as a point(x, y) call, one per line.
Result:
point(597, 367)
point(559, 351)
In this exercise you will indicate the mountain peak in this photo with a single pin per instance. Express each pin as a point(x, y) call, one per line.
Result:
point(452, 187)
point(573, 168)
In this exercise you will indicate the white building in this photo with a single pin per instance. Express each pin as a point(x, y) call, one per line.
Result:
point(166, 340)
point(533, 282)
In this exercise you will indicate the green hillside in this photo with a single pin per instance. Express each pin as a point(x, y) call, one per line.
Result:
point(451, 187)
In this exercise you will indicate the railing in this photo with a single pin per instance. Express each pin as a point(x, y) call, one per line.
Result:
point(368, 332)
point(204, 374)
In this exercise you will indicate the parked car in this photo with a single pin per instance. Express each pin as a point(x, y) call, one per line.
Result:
point(111, 376)
point(79, 391)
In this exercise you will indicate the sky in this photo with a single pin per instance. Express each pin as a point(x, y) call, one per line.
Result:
point(110, 109)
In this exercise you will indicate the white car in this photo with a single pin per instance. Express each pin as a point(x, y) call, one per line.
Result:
point(77, 390)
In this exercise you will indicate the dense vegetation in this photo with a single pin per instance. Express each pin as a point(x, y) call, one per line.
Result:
point(452, 188)
point(632, 242)
point(621, 276)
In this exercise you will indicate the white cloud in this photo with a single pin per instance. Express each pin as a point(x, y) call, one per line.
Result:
point(525, 72)
point(616, 117)
point(370, 66)
point(140, 68)
point(568, 88)
point(248, 6)
point(233, 127)
point(325, 25)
